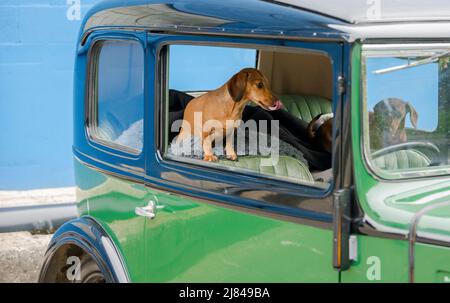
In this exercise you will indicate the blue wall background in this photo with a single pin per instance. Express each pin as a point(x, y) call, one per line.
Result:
point(196, 68)
point(37, 49)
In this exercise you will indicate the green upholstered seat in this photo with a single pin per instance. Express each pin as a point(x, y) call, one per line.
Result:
point(306, 107)
point(303, 107)
point(286, 166)
point(402, 159)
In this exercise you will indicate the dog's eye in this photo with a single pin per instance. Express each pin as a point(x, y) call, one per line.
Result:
point(260, 85)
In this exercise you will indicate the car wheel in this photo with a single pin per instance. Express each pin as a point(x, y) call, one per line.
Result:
point(89, 271)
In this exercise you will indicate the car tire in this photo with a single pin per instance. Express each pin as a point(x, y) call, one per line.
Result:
point(90, 271)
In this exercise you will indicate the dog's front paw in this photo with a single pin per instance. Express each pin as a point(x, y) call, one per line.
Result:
point(210, 158)
point(232, 157)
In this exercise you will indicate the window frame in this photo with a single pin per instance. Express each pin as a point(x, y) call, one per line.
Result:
point(393, 50)
point(91, 113)
point(300, 189)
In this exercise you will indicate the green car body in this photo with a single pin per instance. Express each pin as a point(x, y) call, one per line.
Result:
point(207, 228)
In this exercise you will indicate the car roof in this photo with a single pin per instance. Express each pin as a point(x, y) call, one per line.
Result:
point(310, 19)
point(375, 11)
point(213, 16)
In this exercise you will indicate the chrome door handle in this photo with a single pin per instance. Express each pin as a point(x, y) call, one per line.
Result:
point(148, 211)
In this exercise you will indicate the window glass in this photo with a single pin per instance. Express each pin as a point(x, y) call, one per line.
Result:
point(391, 84)
point(223, 112)
point(407, 112)
point(120, 94)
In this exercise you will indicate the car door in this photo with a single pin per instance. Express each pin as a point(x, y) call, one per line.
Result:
point(402, 185)
point(109, 158)
point(205, 224)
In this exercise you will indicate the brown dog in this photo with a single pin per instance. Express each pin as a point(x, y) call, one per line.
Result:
point(217, 113)
point(320, 131)
point(387, 122)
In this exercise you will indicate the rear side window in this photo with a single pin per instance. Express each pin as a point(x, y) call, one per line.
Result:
point(117, 102)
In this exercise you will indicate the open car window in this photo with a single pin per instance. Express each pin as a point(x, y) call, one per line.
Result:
point(203, 68)
point(260, 100)
point(407, 113)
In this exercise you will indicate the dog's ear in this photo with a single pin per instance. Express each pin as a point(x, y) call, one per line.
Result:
point(414, 116)
point(310, 131)
point(237, 86)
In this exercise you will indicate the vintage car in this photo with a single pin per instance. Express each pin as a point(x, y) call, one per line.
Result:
point(379, 211)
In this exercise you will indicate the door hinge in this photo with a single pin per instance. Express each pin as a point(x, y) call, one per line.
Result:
point(341, 228)
point(341, 85)
point(353, 248)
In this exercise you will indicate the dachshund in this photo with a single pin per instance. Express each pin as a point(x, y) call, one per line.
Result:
point(320, 131)
point(387, 122)
point(216, 114)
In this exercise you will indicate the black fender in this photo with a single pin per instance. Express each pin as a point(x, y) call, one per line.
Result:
point(83, 236)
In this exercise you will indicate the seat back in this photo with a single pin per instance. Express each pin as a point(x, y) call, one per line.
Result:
point(306, 107)
point(402, 159)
